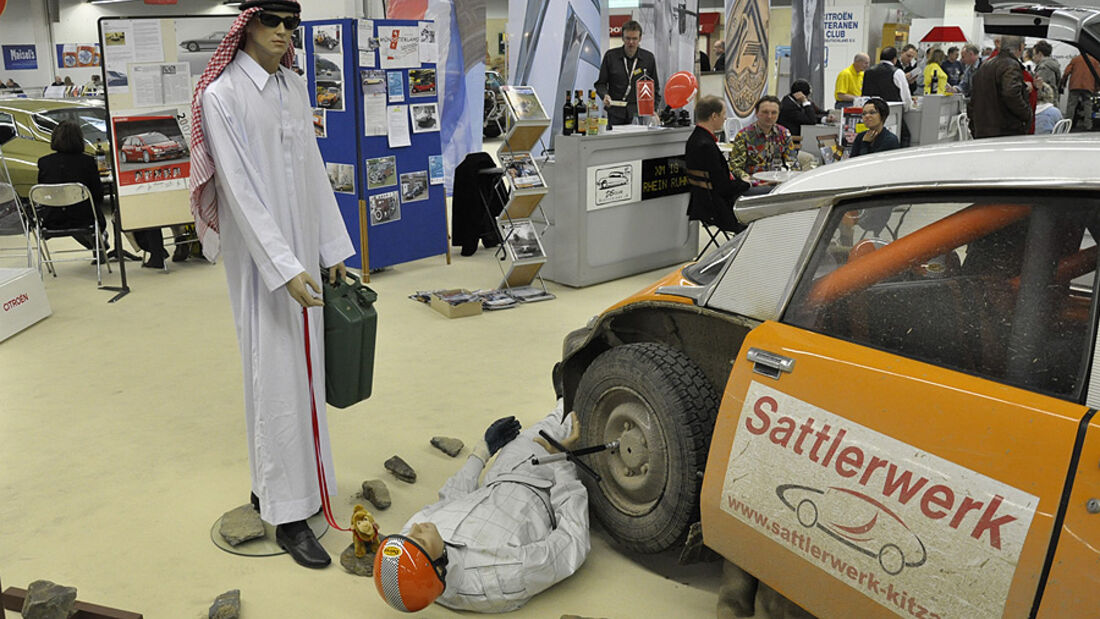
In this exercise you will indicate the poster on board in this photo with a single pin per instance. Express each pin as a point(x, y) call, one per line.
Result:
point(151, 153)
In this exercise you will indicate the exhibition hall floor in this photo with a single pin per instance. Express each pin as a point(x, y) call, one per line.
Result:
point(122, 439)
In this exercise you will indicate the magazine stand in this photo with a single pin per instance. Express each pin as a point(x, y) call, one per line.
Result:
point(525, 187)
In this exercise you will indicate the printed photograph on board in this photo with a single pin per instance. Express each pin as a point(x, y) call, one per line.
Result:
point(425, 117)
point(384, 208)
point(319, 119)
point(330, 96)
point(341, 176)
point(151, 153)
point(196, 40)
point(414, 186)
point(422, 82)
point(381, 172)
point(435, 169)
point(373, 80)
point(326, 39)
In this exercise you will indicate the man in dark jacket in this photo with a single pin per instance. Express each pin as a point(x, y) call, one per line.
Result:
point(998, 97)
point(797, 109)
point(714, 205)
point(620, 69)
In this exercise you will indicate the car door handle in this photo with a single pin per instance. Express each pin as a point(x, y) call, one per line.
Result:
point(768, 363)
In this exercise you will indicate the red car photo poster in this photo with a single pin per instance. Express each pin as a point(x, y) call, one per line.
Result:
point(151, 154)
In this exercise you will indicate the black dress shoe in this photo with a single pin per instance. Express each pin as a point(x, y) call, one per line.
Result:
point(255, 500)
point(182, 251)
point(298, 540)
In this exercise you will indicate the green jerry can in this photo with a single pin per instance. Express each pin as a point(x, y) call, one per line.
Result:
point(351, 324)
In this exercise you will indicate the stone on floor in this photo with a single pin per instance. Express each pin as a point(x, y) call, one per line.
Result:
point(47, 600)
point(360, 566)
point(401, 469)
point(240, 525)
point(375, 491)
point(449, 446)
point(226, 605)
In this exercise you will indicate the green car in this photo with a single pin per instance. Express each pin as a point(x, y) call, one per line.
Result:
point(26, 126)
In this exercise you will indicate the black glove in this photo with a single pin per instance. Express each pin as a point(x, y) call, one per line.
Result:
point(501, 432)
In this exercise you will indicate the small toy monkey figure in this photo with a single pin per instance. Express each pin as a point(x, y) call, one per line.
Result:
point(364, 531)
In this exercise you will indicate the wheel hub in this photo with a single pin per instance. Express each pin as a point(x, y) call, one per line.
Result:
point(637, 472)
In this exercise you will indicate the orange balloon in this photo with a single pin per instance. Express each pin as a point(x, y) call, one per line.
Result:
point(680, 89)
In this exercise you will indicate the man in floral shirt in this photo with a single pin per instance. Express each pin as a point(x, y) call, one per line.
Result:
point(756, 146)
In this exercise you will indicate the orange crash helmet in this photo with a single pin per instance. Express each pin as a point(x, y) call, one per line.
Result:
point(406, 576)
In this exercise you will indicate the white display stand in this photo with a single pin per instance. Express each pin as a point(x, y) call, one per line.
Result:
point(23, 301)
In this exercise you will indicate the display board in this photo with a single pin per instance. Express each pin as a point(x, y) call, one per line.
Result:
point(376, 115)
point(151, 66)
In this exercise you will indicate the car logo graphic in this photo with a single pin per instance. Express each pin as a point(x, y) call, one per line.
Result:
point(857, 521)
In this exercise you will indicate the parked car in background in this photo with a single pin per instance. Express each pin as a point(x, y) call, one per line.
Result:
point(493, 112)
point(26, 126)
point(326, 69)
point(209, 41)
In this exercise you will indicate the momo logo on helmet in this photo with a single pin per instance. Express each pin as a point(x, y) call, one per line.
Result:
point(880, 515)
point(392, 551)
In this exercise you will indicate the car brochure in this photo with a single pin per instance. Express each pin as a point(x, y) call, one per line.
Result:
point(522, 171)
point(524, 103)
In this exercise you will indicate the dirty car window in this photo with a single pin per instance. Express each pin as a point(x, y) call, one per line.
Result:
point(999, 287)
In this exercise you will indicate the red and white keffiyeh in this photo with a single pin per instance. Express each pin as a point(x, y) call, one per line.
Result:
point(204, 203)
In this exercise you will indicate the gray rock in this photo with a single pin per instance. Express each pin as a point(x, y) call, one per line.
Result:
point(47, 600)
point(449, 446)
point(360, 566)
point(401, 469)
point(240, 525)
point(375, 491)
point(227, 605)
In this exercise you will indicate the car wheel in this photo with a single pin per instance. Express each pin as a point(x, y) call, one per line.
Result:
point(807, 513)
point(660, 407)
point(145, 156)
point(891, 559)
point(192, 47)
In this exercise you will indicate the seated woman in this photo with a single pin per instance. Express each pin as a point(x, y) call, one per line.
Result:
point(70, 164)
point(1046, 113)
point(877, 137)
point(797, 109)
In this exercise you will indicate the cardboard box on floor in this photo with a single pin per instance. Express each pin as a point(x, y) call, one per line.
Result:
point(22, 301)
point(469, 308)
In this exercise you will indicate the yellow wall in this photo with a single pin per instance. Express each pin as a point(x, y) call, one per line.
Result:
point(779, 33)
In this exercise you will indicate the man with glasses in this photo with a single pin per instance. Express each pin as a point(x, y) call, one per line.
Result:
point(621, 68)
point(260, 195)
point(492, 547)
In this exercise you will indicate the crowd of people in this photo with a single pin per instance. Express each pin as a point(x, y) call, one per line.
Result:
point(61, 86)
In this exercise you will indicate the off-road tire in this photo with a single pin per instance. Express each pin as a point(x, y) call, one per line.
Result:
point(652, 382)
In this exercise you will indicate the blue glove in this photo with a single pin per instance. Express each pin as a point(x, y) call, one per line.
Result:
point(501, 432)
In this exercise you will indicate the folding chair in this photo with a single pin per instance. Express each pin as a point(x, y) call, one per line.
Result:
point(700, 183)
point(57, 196)
point(13, 221)
point(1062, 126)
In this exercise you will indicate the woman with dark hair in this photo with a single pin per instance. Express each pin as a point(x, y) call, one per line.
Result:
point(70, 164)
point(797, 109)
point(877, 137)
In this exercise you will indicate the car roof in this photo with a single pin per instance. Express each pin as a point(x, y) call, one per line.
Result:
point(1062, 161)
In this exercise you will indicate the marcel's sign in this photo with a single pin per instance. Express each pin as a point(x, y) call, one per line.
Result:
point(878, 514)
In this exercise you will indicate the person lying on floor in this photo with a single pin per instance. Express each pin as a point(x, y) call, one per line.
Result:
point(492, 547)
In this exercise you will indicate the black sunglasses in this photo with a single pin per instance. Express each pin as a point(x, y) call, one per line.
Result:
point(272, 20)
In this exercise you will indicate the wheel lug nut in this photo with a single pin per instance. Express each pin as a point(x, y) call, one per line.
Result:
point(645, 469)
point(628, 473)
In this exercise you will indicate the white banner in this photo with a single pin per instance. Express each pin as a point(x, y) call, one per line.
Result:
point(846, 34)
point(920, 535)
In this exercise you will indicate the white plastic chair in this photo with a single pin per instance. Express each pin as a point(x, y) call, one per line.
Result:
point(732, 126)
point(1062, 126)
point(963, 123)
point(57, 196)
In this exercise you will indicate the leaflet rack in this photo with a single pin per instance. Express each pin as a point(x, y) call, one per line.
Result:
point(524, 186)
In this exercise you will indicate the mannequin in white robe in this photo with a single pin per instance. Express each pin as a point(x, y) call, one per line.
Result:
point(279, 222)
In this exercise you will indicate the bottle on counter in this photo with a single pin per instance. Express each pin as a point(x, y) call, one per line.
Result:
point(580, 110)
point(569, 119)
point(593, 114)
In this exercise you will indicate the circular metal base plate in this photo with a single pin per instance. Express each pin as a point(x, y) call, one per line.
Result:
point(264, 546)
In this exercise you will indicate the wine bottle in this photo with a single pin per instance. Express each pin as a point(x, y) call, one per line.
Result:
point(581, 110)
point(569, 121)
point(593, 114)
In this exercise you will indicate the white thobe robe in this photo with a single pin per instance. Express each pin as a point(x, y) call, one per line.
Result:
point(521, 532)
point(277, 217)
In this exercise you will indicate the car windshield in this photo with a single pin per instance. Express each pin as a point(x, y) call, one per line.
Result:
point(92, 121)
point(155, 137)
point(704, 271)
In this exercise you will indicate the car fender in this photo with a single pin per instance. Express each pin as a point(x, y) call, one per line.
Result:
point(709, 338)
